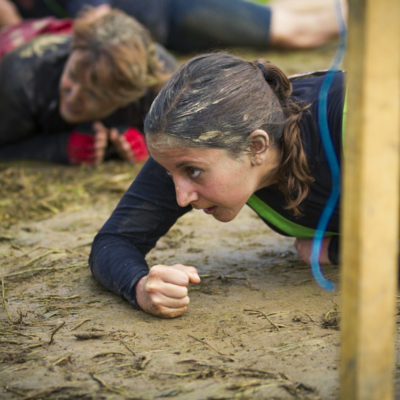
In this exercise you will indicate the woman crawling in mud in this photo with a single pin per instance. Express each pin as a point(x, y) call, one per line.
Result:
point(222, 133)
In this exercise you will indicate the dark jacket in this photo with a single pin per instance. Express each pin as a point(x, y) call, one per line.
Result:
point(31, 125)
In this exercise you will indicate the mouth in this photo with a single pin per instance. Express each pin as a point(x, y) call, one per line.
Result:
point(210, 210)
point(71, 108)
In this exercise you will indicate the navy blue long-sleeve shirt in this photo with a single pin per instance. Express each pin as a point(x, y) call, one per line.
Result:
point(149, 208)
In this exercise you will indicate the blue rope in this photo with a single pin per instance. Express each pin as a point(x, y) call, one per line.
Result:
point(330, 155)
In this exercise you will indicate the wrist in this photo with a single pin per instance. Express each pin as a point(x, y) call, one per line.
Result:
point(140, 292)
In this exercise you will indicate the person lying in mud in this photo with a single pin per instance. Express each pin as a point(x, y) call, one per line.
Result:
point(222, 133)
point(81, 98)
point(200, 25)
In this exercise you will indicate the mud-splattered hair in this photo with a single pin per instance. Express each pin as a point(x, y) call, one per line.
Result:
point(217, 100)
point(121, 55)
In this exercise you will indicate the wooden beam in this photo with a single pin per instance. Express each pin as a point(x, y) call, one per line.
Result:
point(370, 201)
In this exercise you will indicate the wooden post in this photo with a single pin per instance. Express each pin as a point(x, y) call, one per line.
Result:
point(370, 201)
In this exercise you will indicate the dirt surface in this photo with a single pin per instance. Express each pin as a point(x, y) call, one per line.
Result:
point(258, 326)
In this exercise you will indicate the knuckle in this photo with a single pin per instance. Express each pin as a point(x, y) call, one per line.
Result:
point(151, 287)
point(157, 303)
point(155, 271)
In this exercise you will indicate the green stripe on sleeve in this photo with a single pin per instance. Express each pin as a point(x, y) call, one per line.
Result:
point(283, 224)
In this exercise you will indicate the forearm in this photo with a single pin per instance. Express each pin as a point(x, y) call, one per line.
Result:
point(9, 14)
point(117, 265)
point(40, 147)
point(206, 24)
point(145, 213)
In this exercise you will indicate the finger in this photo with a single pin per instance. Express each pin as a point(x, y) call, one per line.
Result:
point(169, 274)
point(173, 291)
point(100, 140)
point(114, 136)
point(159, 301)
point(126, 150)
point(158, 284)
point(167, 312)
point(190, 271)
point(99, 127)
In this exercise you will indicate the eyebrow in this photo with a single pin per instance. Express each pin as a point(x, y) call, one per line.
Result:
point(182, 164)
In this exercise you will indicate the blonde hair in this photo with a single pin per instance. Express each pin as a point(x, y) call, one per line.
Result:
point(120, 55)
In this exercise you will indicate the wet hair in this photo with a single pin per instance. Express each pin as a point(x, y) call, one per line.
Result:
point(120, 55)
point(217, 100)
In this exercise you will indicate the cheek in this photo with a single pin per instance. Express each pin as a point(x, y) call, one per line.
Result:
point(235, 183)
point(235, 194)
point(224, 192)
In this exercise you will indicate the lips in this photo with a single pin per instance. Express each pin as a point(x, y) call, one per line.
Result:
point(72, 109)
point(209, 210)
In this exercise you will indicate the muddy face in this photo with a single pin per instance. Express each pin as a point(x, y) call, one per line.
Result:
point(80, 99)
point(207, 179)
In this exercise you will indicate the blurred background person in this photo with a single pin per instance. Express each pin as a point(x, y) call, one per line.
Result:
point(81, 97)
point(196, 25)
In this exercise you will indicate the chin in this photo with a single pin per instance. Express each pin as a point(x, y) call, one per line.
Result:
point(71, 118)
point(225, 217)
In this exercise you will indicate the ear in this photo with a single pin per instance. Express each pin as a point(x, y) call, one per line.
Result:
point(259, 144)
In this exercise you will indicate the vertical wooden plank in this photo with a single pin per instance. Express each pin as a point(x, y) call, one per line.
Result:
point(370, 201)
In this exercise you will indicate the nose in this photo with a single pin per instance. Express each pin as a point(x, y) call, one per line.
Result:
point(185, 193)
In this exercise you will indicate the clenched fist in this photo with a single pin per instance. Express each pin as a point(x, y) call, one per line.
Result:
point(164, 291)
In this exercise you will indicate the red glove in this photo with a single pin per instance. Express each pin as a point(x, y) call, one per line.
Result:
point(80, 148)
point(137, 143)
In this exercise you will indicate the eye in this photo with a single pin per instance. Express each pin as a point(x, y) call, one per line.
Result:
point(72, 75)
point(92, 94)
point(193, 173)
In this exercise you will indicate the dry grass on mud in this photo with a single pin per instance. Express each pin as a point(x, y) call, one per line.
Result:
point(63, 336)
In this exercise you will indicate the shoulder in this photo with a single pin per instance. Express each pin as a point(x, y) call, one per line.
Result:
point(44, 46)
point(310, 90)
point(32, 71)
point(40, 51)
point(307, 87)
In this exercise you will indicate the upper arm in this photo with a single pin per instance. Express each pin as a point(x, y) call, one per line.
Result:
point(15, 105)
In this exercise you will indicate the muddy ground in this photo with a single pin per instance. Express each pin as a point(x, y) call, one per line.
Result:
point(258, 326)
